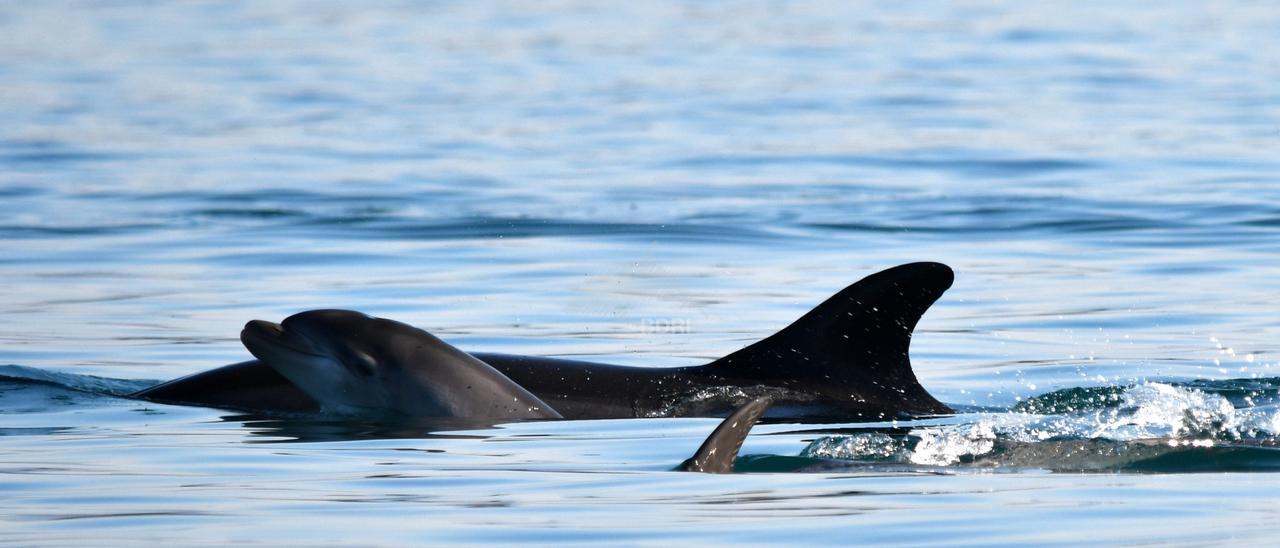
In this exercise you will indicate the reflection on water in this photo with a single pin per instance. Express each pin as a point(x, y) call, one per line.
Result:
point(560, 178)
point(322, 428)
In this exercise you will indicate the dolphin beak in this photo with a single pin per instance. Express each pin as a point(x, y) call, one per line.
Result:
point(264, 339)
point(261, 331)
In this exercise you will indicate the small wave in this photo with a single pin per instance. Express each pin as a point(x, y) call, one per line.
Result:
point(1006, 167)
point(248, 212)
point(1151, 426)
point(19, 374)
point(496, 227)
point(30, 231)
point(41, 158)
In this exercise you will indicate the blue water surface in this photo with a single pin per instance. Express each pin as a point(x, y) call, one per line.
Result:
point(655, 183)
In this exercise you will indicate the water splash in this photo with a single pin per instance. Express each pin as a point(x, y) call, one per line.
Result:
point(1087, 429)
point(868, 446)
point(945, 446)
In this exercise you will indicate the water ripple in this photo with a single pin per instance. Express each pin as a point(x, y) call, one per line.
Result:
point(1018, 167)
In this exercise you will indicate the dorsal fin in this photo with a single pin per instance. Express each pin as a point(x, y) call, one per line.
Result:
point(858, 338)
point(717, 454)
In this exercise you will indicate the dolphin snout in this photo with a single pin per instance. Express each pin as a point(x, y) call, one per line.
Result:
point(261, 329)
point(260, 335)
point(264, 338)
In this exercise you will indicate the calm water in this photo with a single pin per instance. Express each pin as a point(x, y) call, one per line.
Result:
point(657, 184)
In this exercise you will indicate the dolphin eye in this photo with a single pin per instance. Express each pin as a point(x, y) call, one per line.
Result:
point(363, 363)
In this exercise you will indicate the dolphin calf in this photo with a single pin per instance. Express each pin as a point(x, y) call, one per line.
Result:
point(353, 364)
point(845, 360)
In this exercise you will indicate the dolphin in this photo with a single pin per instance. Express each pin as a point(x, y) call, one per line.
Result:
point(350, 363)
point(845, 360)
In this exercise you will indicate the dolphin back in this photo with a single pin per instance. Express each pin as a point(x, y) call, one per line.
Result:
point(847, 360)
point(249, 385)
point(854, 345)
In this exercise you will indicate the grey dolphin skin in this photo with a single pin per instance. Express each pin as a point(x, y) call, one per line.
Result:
point(353, 364)
point(845, 360)
point(718, 453)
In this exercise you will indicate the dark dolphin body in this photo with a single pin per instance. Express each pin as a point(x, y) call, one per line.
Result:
point(845, 360)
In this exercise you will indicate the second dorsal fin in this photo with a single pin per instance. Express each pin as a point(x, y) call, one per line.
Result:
point(721, 448)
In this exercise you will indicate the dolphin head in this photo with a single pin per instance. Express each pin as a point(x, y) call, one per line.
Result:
point(352, 363)
point(341, 358)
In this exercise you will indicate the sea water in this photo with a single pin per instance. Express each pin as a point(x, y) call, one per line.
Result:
point(653, 184)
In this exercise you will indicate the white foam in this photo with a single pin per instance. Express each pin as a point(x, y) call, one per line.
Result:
point(949, 445)
point(1150, 411)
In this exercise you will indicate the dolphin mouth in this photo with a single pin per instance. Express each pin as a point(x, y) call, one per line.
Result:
point(260, 335)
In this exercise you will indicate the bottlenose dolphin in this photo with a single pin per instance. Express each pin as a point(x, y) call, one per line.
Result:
point(845, 360)
point(351, 363)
